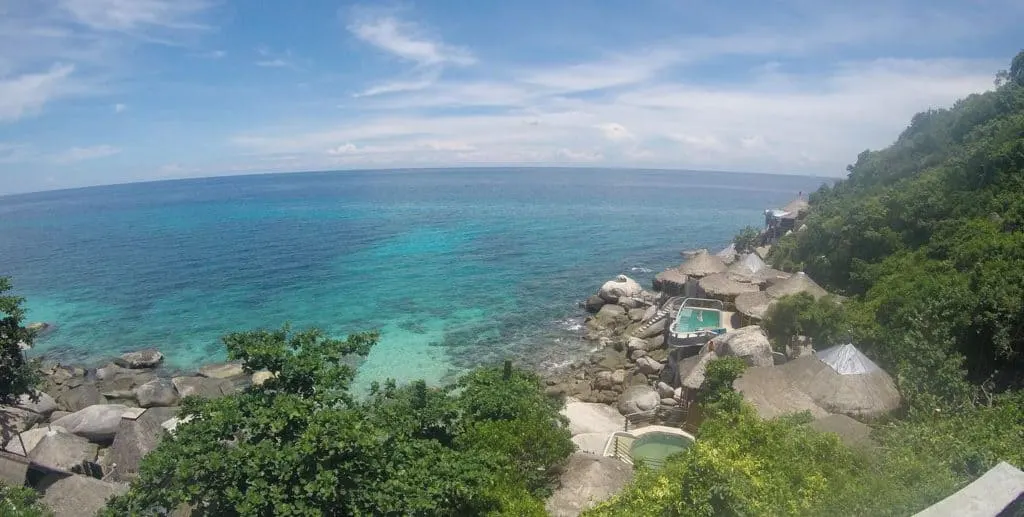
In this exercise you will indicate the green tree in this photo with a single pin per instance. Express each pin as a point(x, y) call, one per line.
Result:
point(21, 502)
point(301, 444)
point(746, 239)
point(17, 376)
point(823, 320)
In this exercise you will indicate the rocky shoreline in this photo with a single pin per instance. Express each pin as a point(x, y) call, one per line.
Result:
point(90, 427)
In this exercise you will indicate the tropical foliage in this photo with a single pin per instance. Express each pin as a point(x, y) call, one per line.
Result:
point(21, 502)
point(302, 444)
point(17, 376)
point(927, 237)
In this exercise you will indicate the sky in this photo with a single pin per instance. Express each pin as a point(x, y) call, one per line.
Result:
point(111, 91)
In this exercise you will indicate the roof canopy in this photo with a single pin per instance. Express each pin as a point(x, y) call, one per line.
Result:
point(744, 269)
point(722, 285)
point(847, 360)
point(796, 206)
point(702, 264)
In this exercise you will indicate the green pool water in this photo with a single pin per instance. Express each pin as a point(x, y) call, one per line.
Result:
point(691, 319)
point(653, 448)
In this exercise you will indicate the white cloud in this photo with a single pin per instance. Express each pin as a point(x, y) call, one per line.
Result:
point(272, 63)
point(346, 148)
point(129, 15)
point(16, 152)
point(615, 132)
point(272, 59)
point(407, 41)
point(79, 154)
point(119, 107)
point(26, 94)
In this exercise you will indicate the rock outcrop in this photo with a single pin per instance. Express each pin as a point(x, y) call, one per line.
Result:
point(63, 450)
point(586, 480)
point(204, 387)
point(75, 496)
point(621, 287)
point(222, 370)
point(157, 392)
point(637, 399)
point(97, 423)
point(148, 358)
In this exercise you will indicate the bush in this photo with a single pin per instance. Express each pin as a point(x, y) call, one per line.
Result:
point(300, 444)
point(21, 502)
point(746, 239)
point(823, 320)
point(17, 376)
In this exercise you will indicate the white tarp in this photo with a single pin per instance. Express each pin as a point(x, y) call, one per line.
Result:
point(847, 360)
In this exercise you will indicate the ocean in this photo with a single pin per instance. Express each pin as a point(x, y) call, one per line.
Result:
point(455, 267)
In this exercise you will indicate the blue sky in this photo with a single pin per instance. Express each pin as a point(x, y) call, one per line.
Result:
point(109, 91)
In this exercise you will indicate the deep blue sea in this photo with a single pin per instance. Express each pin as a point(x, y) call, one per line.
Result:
point(455, 267)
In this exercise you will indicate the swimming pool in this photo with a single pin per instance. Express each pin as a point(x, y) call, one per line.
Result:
point(691, 319)
point(652, 448)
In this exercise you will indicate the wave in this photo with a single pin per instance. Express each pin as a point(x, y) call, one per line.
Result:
point(639, 269)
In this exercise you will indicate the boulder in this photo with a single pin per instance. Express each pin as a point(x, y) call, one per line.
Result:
point(43, 405)
point(81, 397)
point(148, 358)
point(656, 329)
point(610, 311)
point(635, 355)
point(668, 401)
point(157, 392)
point(222, 370)
point(636, 314)
point(125, 379)
point(57, 415)
point(96, 423)
point(635, 343)
point(594, 304)
point(648, 366)
point(602, 381)
point(637, 399)
point(621, 287)
point(14, 420)
point(665, 390)
point(258, 378)
point(204, 387)
point(656, 342)
point(618, 377)
point(136, 438)
point(63, 450)
point(30, 439)
point(586, 480)
point(110, 371)
point(749, 343)
point(650, 312)
point(631, 303)
point(75, 496)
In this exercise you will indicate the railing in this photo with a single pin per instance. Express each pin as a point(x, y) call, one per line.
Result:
point(673, 417)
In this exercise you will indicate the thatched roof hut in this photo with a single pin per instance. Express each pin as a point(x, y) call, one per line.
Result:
point(753, 305)
point(671, 281)
point(773, 394)
point(728, 254)
point(702, 264)
point(746, 267)
point(769, 276)
point(798, 283)
point(721, 285)
point(841, 379)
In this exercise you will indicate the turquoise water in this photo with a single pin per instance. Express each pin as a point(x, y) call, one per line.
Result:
point(689, 320)
point(455, 267)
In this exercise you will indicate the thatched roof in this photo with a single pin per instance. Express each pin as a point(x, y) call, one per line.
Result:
point(851, 432)
point(798, 283)
point(769, 276)
point(754, 305)
point(746, 267)
point(869, 394)
point(773, 394)
point(728, 254)
point(720, 284)
point(796, 206)
point(702, 264)
point(670, 275)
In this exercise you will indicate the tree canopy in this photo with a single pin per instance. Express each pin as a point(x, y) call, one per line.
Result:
point(301, 444)
point(17, 376)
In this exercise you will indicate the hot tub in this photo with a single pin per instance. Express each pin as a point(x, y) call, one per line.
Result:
point(654, 447)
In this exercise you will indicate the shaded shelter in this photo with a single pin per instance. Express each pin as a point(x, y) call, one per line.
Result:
point(841, 379)
point(797, 283)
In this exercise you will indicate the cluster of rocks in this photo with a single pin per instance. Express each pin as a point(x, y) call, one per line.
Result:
point(628, 367)
point(87, 430)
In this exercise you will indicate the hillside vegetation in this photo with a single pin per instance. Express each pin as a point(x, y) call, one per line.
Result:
point(925, 242)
